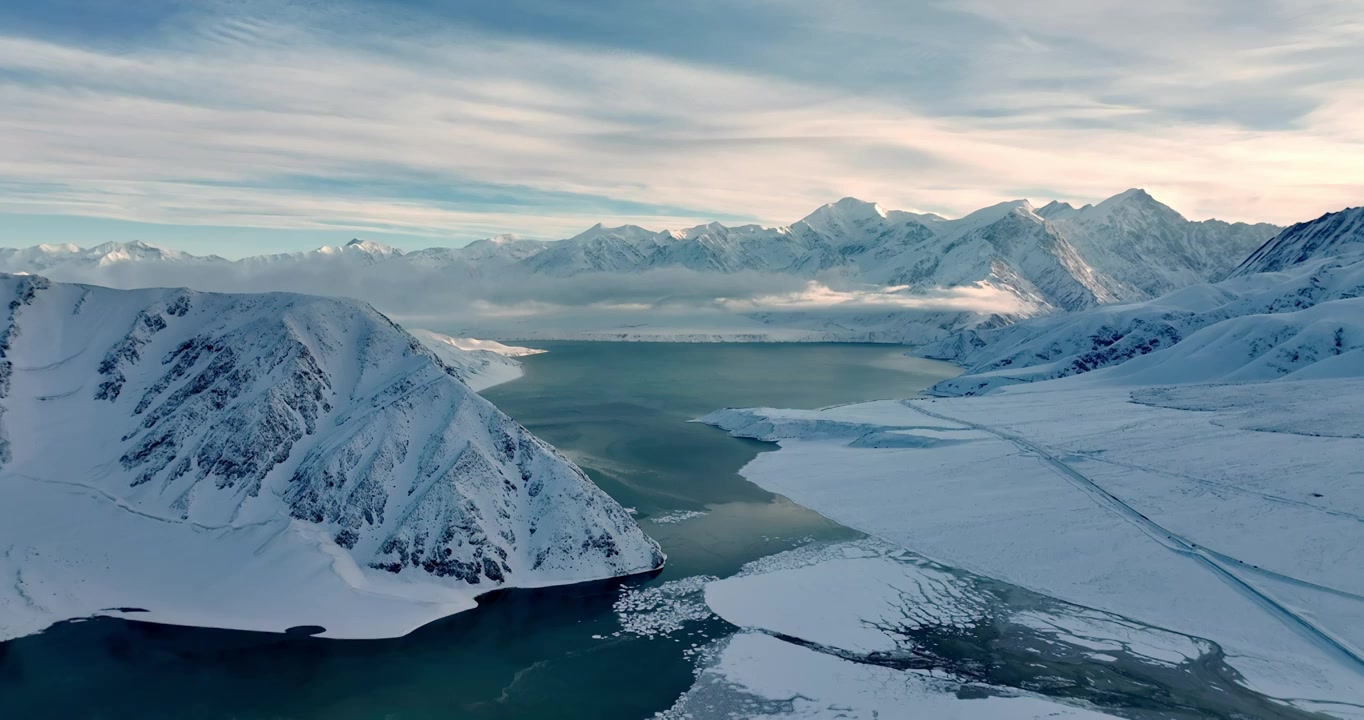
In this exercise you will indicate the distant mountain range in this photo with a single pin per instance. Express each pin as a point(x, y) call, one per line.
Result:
point(1057, 257)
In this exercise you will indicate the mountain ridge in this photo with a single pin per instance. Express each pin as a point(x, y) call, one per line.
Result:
point(1291, 310)
point(1127, 248)
point(317, 417)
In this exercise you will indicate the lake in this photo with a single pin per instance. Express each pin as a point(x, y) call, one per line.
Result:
point(622, 412)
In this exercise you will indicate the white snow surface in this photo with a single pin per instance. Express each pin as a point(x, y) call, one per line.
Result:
point(1222, 512)
point(842, 596)
point(481, 364)
point(267, 461)
point(753, 675)
point(1190, 461)
point(856, 599)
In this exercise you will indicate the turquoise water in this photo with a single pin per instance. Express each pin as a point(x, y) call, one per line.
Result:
point(620, 410)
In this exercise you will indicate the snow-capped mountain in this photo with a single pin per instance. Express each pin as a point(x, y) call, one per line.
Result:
point(312, 430)
point(68, 257)
point(1303, 319)
point(1129, 247)
point(1337, 233)
point(1148, 248)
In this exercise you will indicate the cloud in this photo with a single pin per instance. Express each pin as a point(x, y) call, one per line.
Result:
point(251, 115)
point(445, 298)
point(817, 296)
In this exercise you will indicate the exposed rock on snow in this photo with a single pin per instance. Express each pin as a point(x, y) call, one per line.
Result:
point(267, 461)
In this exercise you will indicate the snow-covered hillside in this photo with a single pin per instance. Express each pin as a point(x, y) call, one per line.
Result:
point(1305, 319)
point(1339, 233)
point(267, 461)
point(1149, 248)
point(1129, 247)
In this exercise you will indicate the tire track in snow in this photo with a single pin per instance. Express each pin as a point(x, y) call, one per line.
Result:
point(1172, 541)
point(1226, 486)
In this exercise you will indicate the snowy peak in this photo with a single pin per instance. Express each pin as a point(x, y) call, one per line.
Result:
point(1128, 247)
point(633, 233)
point(368, 250)
point(845, 217)
point(1127, 206)
point(371, 247)
point(1150, 249)
point(1331, 234)
point(992, 214)
point(57, 249)
point(1057, 210)
point(135, 251)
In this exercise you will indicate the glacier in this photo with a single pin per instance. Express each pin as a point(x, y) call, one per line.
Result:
point(267, 462)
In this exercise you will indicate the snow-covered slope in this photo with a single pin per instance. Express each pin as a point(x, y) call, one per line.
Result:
point(1339, 233)
point(1150, 249)
point(266, 461)
point(1230, 513)
point(1127, 248)
point(1303, 319)
point(481, 364)
point(1287, 322)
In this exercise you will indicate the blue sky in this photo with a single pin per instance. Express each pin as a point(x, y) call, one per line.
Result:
point(243, 127)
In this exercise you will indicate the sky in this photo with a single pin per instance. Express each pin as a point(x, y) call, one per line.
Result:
point(238, 127)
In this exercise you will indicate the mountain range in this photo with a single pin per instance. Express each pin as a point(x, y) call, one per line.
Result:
point(1032, 260)
point(1293, 309)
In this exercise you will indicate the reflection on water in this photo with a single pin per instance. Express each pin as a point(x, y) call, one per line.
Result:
point(621, 411)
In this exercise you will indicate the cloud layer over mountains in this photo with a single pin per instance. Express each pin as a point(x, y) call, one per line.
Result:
point(848, 270)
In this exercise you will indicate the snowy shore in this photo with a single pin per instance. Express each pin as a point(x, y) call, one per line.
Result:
point(1220, 512)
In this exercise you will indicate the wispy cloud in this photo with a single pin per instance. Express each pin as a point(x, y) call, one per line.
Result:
point(441, 298)
point(250, 115)
point(816, 295)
